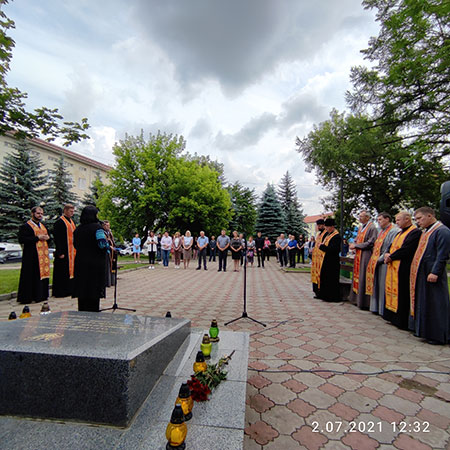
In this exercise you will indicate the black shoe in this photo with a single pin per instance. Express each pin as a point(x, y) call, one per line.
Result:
point(224, 270)
point(198, 268)
point(433, 342)
point(206, 268)
point(219, 270)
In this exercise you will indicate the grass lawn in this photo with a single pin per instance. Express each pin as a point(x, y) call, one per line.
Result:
point(299, 269)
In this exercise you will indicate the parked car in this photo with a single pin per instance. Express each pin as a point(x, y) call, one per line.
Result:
point(8, 246)
point(126, 251)
point(10, 256)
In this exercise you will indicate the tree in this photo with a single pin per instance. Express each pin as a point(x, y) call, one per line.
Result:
point(376, 176)
point(91, 197)
point(22, 186)
point(243, 206)
point(60, 192)
point(270, 219)
point(293, 214)
point(14, 116)
point(154, 187)
point(407, 88)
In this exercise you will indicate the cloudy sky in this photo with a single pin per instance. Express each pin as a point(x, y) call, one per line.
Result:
point(239, 79)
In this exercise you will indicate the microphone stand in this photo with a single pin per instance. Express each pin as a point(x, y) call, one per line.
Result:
point(244, 313)
point(115, 306)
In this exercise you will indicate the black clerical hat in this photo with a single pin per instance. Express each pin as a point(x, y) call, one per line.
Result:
point(320, 222)
point(330, 222)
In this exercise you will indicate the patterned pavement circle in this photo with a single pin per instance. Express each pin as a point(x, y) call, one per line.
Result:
point(300, 394)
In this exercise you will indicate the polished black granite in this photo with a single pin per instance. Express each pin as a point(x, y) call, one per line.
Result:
point(82, 366)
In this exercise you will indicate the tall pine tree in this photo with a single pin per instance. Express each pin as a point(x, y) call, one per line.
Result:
point(270, 219)
point(243, 205)
point(59, 193)
point(91, 197)
point(22, 186)
point(293, 214)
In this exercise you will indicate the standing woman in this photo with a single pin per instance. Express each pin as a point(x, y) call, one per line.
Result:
point(188, 241)
point(90, 261)
point(236, 250)
point(137, 248)
point(266, 248)
point(251, 248)
point(152, 246)
point(177, 249)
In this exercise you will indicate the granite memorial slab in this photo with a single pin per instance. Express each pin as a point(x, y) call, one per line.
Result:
point(89, 367)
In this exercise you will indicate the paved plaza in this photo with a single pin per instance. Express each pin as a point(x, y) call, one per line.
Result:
point(299, 392)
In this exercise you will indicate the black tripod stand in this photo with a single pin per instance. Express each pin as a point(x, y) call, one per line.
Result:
point(244, 313)
point(115, 306)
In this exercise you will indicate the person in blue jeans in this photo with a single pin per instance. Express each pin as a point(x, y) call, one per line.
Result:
point(166, 245)
point(202, 243)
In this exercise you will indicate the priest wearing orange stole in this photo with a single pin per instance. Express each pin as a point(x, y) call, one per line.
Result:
point(35, 271)
point(430, 303)
point(315, 269)
point(398, 261)
point(367, 234)
point(376, 269)
point(63, 270)
point(328, 282)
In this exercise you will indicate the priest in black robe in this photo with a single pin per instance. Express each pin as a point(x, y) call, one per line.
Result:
point(430, 297)
point(35, 271)
point(410, 236)
point(63, 264)
point(330, 270)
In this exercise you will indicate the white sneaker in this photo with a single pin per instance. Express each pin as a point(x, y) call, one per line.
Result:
point(150, 267)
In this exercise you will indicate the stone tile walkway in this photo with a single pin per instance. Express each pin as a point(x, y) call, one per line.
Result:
point(320, 374)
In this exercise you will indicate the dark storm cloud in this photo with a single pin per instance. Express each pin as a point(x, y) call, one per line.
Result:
point(237, 42)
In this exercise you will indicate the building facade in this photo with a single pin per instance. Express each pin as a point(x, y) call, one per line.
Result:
point(82, 170)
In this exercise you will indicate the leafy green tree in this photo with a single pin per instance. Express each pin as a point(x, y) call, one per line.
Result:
point(376, 176)
point(60, 192)
point(287, 194)
point(14, 117)
point(196, 197)
point(407, 87)
point(154, 187)
point(243, 206)
point(22, 186)
point(270, 219)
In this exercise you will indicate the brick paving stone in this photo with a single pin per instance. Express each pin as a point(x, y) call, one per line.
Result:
point(311, 440)
point(277, 377)
point(443, 395)
point(399, 404)
point(260, 403)
point(331, 389)
point(383, 386)
point(434, 418)
point(408, 394)
point(261, 432)
point(437, 406)
point(436, 438)
point(387, 414)
point(335, 445)
point(318, 398)
point(278, 393)
point(295, 386)
point(426, 380)
point(251, 416)
point(345, 382)
point(309, 379)
point(301, 408)
point(327, 423)
point(251, 444)
point(368, 392)
point(258, 381)
point(405, 442)
point(285, 443)
point(360, 441)
point(283, 419)
point(357, 401)
point(343, 411)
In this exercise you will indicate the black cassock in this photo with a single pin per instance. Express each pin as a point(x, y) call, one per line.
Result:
point(405, 254)
point(432, 315)
point(62, 284)
point(329, 273)
point(90, 266)
point(31, 287)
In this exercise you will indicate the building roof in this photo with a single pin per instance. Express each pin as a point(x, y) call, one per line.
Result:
point(314, 219)
point(71, 154)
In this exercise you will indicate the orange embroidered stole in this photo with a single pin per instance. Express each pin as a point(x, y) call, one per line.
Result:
point(42, 250)
point(357, 261)
point(391, 286)
point(70, 226)
point(321, 255)
point(416, 263)
point(315, 273)
point(370, 273)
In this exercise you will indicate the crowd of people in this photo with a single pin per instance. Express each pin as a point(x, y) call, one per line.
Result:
point(399, 270)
